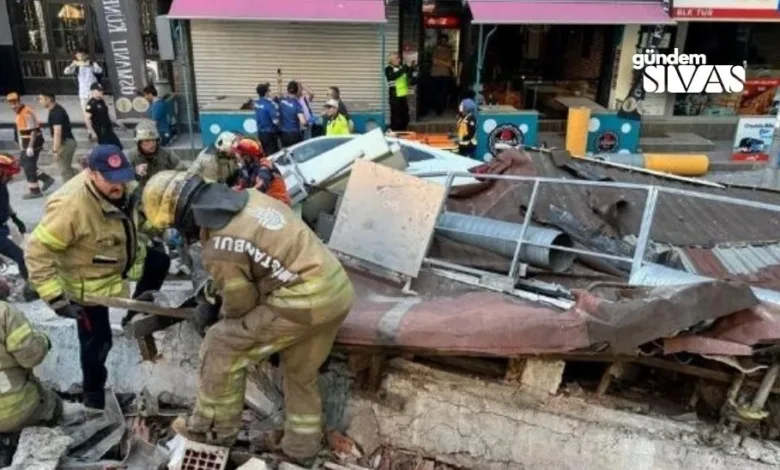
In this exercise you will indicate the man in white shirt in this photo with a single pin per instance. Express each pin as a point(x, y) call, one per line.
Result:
point(86, 72)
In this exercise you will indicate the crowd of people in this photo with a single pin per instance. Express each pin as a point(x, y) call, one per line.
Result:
point(274, 287)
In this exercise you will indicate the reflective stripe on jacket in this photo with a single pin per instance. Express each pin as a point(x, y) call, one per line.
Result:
point(85, 245)
point(21, 349)
point(338, 125)
point(26, 123)
point(267, 255)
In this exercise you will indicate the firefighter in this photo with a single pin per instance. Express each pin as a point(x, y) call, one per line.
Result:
point(28, 130)
point(8, 168)
point(281, 290)
point(257, 171)
point(467, 128)
point(221, 166)
point(87, 245)
point(149, 157)
point(23, 400)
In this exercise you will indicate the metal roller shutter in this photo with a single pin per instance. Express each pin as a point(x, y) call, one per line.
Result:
point(392, 13)
point(231, 57)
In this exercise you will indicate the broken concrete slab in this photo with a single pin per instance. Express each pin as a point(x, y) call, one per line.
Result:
point(481, 424)
point(176, 373)
point(40, 449)
point(143, 456)
point(254, 464)
point(542, 375)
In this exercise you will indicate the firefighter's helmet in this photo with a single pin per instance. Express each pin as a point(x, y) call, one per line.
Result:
point(249, 148)
point(225, 142)
point(146, 129)
point(161, 196)
point(9, 166)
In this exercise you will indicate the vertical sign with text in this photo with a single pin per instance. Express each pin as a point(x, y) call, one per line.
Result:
point(120, 33)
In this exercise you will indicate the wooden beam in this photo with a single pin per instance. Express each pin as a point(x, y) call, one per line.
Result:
point(145, 326)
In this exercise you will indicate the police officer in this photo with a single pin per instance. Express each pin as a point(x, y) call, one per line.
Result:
point(87, 245)
point(292, 120)
point(99, 120)
point(267, 117)
point(467, 128)
point(282, 290)
point(398, 76)
point(25, 401)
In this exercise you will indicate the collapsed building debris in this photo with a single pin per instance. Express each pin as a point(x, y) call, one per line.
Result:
point(534, 283)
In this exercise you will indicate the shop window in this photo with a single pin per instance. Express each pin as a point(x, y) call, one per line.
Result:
point(68, 27)
point(147, 12)
point(36, 68)
point(29, 29)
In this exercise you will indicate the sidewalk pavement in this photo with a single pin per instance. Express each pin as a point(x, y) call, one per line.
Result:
point(71, 104)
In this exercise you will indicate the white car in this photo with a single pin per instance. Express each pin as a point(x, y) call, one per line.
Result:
point(420, 158)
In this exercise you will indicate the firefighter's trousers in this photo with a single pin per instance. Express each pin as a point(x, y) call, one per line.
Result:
point(232, 345)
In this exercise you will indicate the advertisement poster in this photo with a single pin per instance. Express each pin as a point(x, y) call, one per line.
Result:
point(759, 98)
point(753, 139)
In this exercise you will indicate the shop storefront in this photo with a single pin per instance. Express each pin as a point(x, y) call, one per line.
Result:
point(237, 45)
point(44, 35)
point(538, 59)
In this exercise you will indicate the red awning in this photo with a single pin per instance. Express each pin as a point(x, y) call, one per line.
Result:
point(322, 11)
point(577, 13)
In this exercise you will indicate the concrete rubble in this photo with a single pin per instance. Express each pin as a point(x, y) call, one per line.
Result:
point(464, 350)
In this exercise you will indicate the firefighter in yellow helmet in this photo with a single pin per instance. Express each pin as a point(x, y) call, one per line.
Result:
point(281, 290)
point(23, 400)
point(87, 245)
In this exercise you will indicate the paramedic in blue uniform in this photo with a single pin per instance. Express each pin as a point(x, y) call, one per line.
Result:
point(291, 117)
point(267, 117)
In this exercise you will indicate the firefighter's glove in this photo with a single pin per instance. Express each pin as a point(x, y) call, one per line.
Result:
point(206, 314)
point(19, 224)
point(70, 310)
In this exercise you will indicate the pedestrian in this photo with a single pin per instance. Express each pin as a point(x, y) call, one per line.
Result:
point(398, 76)
point(158, 112)
point(87, 245)
point(337, 122)
point(149, 157)
point(281, 290)
point(31, 141)
point(467, 128)
point(63, 144)
point(219, 166)
point(442, 72)
point(26, 402)
point(256, 171)
point(292, 119)
point(99, 120)
point(305, 97)
point(9, 167)
point(87, 73)
point(267, 118)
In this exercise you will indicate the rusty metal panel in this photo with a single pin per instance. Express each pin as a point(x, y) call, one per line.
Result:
point(387, 217)
point(758, 265)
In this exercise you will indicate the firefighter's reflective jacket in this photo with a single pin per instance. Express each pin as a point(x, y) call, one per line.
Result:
point(85, 245)
point(215, 168)
point(21, 349)
point(266, 255)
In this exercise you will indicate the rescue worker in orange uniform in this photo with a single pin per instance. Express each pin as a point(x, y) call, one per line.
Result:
point(282, 290)
point(30, 140)
point(256, 171)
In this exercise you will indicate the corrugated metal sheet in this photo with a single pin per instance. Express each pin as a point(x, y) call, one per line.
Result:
point(679, 220)
point(231, 57)
point(759, 265)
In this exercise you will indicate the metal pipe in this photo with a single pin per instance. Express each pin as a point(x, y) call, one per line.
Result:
point(501, 238)
point(767, 384)
point(523, 231)
point(644, 229)
point(383, 96)
point(183, 52)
